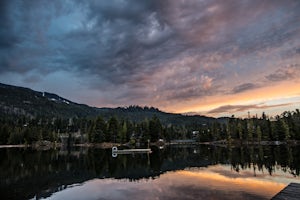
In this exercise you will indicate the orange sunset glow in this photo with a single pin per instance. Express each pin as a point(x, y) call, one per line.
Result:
point(211, 58)
point(266, 99)
point(218, 181)
point(183, 184)
point(149, 99)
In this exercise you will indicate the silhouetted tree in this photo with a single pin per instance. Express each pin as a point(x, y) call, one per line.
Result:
point(155, 128)
point(113, 128)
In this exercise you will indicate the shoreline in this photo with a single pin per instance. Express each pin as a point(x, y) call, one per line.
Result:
point(109, 145)
point(15, 145)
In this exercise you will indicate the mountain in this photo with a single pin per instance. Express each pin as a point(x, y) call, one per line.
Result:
point(138, 114)
point(24, 101)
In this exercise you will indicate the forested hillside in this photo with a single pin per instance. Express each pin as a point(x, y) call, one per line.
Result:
point(19, 101)
point(28, 116)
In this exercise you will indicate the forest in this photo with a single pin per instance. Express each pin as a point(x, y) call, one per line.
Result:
point(26, 130)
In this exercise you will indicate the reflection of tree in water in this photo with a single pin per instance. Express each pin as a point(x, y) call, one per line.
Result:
point(25, 173)
point(266, 158)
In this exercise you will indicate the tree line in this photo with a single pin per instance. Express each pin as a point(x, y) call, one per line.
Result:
point(284, 127)
point(25, 130)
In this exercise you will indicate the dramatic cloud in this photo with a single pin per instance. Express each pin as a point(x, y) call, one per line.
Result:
point(244, 87)
point(162, 53)
point(286, 73)
point(242, 108)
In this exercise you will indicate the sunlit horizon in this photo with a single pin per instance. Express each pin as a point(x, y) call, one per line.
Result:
point(211, 58)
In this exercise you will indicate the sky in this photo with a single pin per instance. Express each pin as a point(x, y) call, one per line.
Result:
point(208, 57)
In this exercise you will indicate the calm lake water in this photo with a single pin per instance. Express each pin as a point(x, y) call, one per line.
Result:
point(174, 172)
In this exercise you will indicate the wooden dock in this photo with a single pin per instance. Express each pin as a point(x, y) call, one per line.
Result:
point(129, 151)
point(115, 151)
point(290, 192)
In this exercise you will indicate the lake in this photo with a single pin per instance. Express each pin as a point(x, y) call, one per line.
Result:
point(173, 172)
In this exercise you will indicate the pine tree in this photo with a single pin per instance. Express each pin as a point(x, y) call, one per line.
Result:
point(122, 133)
point(284, 129)
point(250, 129)
point(155, 128)
point(91, 132)
point(113, 128)
point(4, 134)
point(240, 130)
point(99, 130)
point(259, 134)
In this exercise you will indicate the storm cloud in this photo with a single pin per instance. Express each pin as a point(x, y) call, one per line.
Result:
point(149, 52)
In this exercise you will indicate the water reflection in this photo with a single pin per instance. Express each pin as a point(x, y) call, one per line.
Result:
point(190, 171)
point(197, 184)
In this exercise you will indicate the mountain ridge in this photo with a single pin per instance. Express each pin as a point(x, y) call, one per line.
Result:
point(16, 100)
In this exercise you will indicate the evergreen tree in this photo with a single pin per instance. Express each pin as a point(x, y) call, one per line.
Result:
point(284, 130)
point(16, 137)
point(296, 120)
point(113, 128)
point(274, 131)
point(240, 130)
point(250, 129)
point(228, 132)
point(91, 132)
point(99, 130)
point(4, 133)
point(215, 131)
point(155, 128)
point(122, 133)
point(259, 133)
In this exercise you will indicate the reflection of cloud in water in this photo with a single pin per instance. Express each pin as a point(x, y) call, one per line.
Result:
point(278, 175)
point(211, 180)
point(215, 182)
